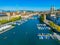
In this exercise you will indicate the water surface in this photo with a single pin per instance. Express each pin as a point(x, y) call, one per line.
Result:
point(25, 34)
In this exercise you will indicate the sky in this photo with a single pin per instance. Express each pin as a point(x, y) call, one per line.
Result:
point(28, 4)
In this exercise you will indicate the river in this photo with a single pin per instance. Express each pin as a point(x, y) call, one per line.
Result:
point(25, 34)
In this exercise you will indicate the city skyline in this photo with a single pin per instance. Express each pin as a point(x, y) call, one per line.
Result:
point(36, 5)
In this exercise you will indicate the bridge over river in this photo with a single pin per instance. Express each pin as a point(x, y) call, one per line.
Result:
point(26, 34)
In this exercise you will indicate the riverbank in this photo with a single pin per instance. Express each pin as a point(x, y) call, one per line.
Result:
point(10, 25)
point(13, 19)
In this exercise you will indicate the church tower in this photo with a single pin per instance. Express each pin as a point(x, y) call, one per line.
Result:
point(52, 11)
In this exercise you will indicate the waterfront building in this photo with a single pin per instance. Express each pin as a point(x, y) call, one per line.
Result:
point(8, 14)
point(3, 16)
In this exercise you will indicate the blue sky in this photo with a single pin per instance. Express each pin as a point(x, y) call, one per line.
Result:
point(28, 4)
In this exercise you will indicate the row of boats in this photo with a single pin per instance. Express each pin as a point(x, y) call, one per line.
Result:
point(43, 27)
point(47, 35)
point(8, 26)
point(20, 22)
point(32, 18)
point(44, 35)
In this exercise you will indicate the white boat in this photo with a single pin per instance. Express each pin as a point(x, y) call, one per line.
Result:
point(44, 36)
point(41, 24)
point(40, 37)
point(5, 27)
point(41, 28)
point(19, 24)
point(56, 36)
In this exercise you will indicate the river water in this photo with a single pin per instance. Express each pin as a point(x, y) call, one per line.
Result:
point(25, 34)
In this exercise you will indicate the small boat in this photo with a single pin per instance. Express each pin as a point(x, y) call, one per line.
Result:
point(18, 24)
point(40, 37)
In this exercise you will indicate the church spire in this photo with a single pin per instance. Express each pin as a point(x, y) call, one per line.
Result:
point(52, 11)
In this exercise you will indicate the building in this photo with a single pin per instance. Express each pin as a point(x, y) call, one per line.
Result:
point(8, 15)
point(52, 12)
point(3, 16)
